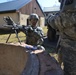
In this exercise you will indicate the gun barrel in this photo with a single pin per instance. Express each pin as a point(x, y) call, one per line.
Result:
point(10, 26)
point(6, 31)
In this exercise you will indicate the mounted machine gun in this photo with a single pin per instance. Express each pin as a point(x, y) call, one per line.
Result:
point(9, 28)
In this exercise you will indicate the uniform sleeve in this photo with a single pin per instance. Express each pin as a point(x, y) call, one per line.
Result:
point(38, 32)
point(52, 23)
point(25, 29)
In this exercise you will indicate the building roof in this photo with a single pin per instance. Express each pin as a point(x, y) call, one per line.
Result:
point(50, 9)
point(39, 6)
point(13, 5)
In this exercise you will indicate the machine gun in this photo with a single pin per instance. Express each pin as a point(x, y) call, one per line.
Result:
point(12, 25)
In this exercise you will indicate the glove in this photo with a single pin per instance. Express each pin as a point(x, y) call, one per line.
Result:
point(31, 48)
point(27, 28)
point(30, 29)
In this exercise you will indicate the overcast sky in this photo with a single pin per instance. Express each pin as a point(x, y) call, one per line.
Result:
point(43, 3)
point(48, 3)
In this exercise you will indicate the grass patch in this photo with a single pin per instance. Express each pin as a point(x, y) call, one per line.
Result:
point(12, 38)
point(45, 30)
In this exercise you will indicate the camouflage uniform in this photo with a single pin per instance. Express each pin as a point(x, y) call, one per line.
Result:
point(66, 24)
point(34, 35)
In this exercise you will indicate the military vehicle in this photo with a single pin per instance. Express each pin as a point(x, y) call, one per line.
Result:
point(16, 60)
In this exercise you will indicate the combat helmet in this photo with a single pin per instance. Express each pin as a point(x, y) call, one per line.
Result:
point(68, 5)
point(33, 16)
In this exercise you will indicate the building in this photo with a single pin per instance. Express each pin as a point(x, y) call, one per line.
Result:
point(50, 10)
point(19, 10)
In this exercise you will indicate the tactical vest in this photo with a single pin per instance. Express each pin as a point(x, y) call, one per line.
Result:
point(35, 37)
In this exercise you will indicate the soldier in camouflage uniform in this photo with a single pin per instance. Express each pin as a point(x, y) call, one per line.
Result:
point(34, 33)
point(65, 23)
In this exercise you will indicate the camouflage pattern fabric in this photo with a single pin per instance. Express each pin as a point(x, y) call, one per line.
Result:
point(68, 50)
point(34, 36)
point(66, 24)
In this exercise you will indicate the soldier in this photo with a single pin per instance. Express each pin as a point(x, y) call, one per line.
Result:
point(34, 33)
point(65, 23)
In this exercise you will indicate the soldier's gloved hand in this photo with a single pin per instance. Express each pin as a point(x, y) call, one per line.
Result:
point(31, 48)
point(30, 29)
point(18, 28)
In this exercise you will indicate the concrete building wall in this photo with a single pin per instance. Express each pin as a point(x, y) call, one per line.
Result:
point(42, 21)
point(19, 18)
point(14, 16)
point(23, 19)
